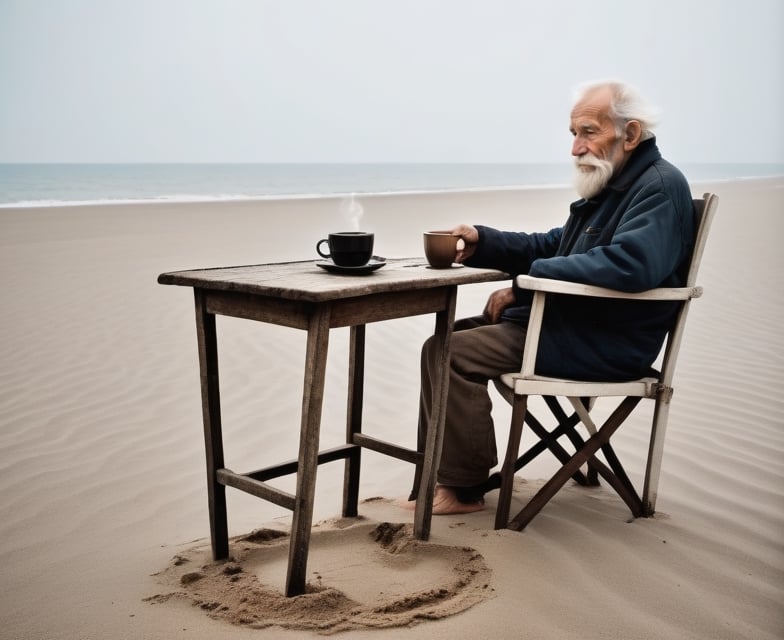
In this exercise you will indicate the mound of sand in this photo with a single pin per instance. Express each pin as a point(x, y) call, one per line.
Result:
point(362, 575)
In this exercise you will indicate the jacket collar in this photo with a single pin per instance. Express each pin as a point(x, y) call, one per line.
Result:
point(642, 157)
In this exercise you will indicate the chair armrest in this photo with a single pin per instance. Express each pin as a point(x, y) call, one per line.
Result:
point(543, 286)
point(576, 289)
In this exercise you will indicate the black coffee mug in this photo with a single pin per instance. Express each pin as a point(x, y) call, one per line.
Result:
point(348, 248)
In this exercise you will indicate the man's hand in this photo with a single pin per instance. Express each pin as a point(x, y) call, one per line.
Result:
point(469, 237)
point(497, 302)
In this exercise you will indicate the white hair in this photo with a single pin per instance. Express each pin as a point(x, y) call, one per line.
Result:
point(627, 103)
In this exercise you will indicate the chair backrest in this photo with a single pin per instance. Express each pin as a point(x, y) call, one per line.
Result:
point(704, 212)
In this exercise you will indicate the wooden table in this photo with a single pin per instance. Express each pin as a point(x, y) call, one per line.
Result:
point(304, 296)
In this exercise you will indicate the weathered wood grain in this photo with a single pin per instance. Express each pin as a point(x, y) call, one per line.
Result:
point(306, 281)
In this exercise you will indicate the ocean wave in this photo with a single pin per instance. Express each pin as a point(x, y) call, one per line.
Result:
point(189, 198)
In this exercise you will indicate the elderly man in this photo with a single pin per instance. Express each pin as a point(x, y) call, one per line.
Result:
point(631, 230)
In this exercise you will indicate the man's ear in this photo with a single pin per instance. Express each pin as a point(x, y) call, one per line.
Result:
point(632, 135)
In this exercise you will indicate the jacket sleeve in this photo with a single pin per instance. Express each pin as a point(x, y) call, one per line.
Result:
point(511, 251)
point(645, 250)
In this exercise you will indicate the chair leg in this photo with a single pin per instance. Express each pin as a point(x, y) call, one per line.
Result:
point(594, 443)
point(622, 484)
point(508, 469)
point(656, 450)
point(591, 476)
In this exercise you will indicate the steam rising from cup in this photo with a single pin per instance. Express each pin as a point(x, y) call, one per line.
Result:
point(351, 211)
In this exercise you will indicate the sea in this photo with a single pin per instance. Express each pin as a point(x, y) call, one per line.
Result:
point(52, 185)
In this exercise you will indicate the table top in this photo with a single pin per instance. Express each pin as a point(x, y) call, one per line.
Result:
point(307, 281)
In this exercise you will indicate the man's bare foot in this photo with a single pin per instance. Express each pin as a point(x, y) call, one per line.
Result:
point(445, 503)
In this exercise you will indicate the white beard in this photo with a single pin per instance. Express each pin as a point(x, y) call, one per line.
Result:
point(591, 182)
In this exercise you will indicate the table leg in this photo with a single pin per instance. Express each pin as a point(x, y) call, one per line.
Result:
point(213, 436)
point(435, 430)
point(356, 379)
point(312, 398)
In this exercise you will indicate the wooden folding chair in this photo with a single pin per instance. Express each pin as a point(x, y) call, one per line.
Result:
point(518, 386)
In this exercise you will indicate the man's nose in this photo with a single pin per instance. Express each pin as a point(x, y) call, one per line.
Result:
point(578, 147)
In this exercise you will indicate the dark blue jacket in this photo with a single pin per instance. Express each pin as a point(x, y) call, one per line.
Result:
point(637, 234)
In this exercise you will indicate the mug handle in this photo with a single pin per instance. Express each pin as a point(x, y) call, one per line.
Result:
point(318, 248)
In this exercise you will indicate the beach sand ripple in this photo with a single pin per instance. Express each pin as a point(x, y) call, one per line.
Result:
point(102, 479)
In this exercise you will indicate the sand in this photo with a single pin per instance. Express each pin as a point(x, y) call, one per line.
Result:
point(102, 488)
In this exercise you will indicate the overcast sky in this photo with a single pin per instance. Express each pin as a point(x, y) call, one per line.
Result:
point(378, 81)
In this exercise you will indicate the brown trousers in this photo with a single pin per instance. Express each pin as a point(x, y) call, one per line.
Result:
point(479, 352)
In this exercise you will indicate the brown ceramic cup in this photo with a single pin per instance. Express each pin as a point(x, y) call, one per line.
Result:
point(348, 248)
point(440, 248)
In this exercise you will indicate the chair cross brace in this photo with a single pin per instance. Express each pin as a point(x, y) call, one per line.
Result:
point(566, 426)
point(585, 454)
point(549, 440)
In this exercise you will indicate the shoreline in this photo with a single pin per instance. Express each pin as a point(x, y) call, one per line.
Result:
point(217, 199)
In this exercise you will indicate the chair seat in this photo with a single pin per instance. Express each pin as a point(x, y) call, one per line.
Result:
point(544, 386)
